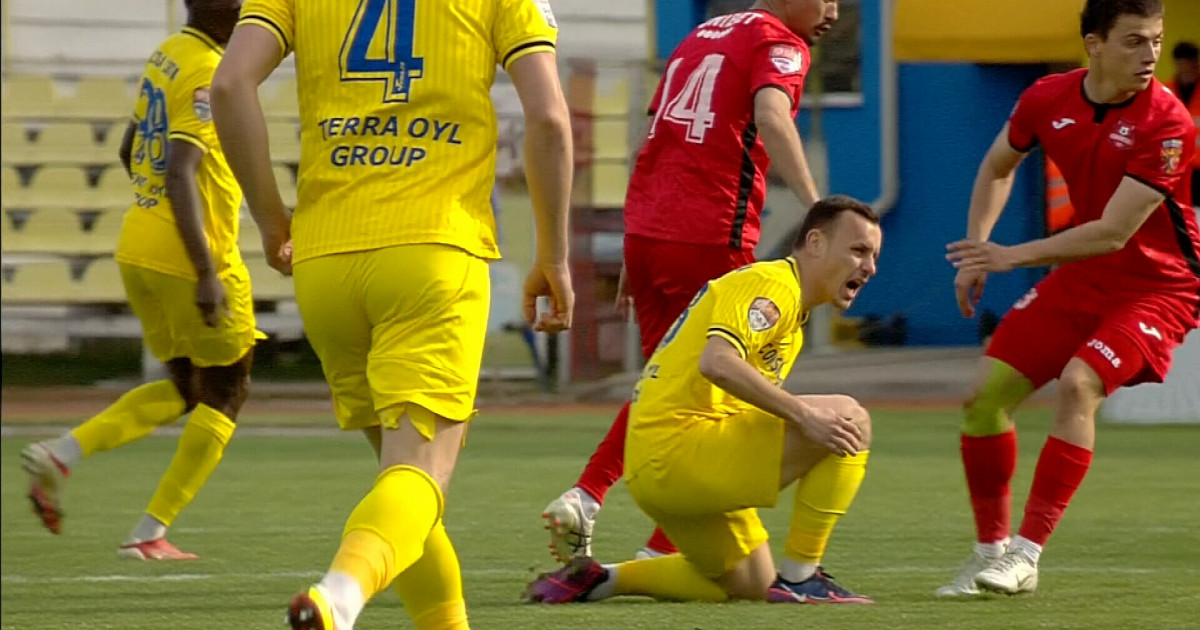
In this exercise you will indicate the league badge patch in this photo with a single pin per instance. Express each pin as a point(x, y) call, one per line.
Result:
point(763, 314)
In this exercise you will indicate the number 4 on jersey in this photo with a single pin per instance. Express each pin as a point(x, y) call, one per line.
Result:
point(692, 106)
point(379, 47)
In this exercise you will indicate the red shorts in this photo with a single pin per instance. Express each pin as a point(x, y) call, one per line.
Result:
point(1126, 339)
point(663, 277)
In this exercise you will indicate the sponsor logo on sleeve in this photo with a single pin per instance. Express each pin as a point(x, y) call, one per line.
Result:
point(787, 59)
point(763, 314)
point(544, 6)
point(200, 105)
point(1172, 151)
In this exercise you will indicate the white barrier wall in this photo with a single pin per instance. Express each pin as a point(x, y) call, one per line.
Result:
point(1175, 400)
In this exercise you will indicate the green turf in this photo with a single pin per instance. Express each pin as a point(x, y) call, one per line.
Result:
point(1126, 556)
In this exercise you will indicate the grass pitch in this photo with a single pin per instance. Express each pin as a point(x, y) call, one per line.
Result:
point(1127, 555)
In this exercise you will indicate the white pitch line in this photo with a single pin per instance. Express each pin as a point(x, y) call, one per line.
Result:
point(515, 573)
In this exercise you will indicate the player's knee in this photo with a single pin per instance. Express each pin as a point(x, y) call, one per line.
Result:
point(182, 373)
point(224, 388)
point(1080, 383)
point(984, 412)
point(862, 419)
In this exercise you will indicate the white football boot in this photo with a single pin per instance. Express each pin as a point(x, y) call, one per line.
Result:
point(570, 519)
point(645, 553)
point(964, 583)
point(1013, 573)
point(47, 476)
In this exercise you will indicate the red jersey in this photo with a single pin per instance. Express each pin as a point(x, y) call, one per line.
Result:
point(1150, 138)
point(700, 177)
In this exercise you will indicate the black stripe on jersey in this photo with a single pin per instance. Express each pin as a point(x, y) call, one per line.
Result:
point(745, 185)
point(1165, 191)
point(202, 36)
point(730, 336)
point(540, 42)
point(266, 21)
point(1181, 236)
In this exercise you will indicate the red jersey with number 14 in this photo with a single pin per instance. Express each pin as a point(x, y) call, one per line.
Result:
point(1149, 138)
point(701, 175)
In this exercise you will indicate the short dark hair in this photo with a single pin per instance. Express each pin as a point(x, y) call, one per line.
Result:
point(1186, 51)
point(1099, 16)
point(827, 210)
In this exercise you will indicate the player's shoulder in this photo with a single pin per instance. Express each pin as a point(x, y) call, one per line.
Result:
point(1056, 86)
point(1165, 107)
point(777, 276)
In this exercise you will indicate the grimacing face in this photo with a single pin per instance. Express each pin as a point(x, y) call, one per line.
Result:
point(849, 258)
point(809, 19)
point(1128, 55)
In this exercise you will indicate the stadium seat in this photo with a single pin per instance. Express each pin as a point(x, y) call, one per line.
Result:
point(281, 101)
point(103, 230)
point(285, 141)
point(249, 238)
point(112, 190)
point(110, 146)
point(287, 185)
point(12, 193)
point(100, 283)
point(609, 181)
point(28, 96)
point(17, 146)
point(44, 281)
point(610, 139)
point(99, 98)
point(611, 92)
point(68, 143)
point(266, 284)
point(58, 186)
point(49, 231)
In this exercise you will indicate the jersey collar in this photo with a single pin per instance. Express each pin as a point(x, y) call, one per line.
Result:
point(1100, 110)
point(202, 36)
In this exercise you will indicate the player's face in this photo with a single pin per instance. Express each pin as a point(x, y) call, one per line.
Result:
point(809, 19)
point(850, 257)
point(216, 17)
point(1128, 56)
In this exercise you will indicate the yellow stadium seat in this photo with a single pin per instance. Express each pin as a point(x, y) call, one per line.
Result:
point(100, 283)
point(611, 92)
point(28, 96)
point(110, 146)
point(17, 147)
point(282, 100)
point(610, 139)
point(58, 186)
point(104, 232)
point(51, 231)
point(12, 193)
point(266, 284)
point(68, 143)
point(249, 238)
point(609, 180)
point(285, 141)
point(287, 185)
point(99, 98)
point(113, 189)
point(47, 281)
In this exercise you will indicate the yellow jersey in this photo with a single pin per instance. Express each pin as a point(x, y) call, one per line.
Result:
point(173, 105)
point(398, 132)
point(757, 310)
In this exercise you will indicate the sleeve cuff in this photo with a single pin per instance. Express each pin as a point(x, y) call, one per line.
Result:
point(731, 337)
point(525, 48)
point(1166, 192)
point(188, 138)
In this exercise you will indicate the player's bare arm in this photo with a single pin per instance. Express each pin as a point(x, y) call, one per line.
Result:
point(993, 185)
point(125, 153)
point(773, 117)
point(721, 364)
point(1127, 210)
point(548, 169)
point(183, 162)
point(250, 57)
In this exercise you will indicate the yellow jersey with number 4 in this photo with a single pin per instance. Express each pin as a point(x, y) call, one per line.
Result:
point(398, 133)
point(173, 105)
point(757, 310)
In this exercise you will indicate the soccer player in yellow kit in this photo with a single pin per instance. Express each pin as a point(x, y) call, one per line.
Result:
point(713, 435)
point(186, 282)
point(390, 245)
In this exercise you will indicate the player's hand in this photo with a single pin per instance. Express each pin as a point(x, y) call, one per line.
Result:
point(832, 430)
point(624, 303)
point(551, 280)
point(210, 299)
point(968, 290)
point(980, 256)
point(278, 250)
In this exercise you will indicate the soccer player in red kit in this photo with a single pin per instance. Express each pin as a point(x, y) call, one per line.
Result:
point(1126, 291)
point(723, 112)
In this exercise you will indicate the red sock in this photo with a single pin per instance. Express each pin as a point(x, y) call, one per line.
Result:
point(608, 462)
point(660, 543)
point(1060, 469)
point(989, 463)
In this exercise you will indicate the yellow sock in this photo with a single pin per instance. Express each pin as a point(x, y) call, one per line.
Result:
point(822, 497)
point(431, 588)
point(134, 416)
point(668, 577)
point(386, 532)
point(200, 449)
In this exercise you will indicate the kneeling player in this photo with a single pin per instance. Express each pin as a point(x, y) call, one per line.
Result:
point(713, 436)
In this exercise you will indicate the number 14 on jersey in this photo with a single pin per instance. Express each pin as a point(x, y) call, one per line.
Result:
point(692, 106)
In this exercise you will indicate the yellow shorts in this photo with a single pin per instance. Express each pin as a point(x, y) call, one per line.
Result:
point(172, 325)
point(702, 485)
point(397, 327)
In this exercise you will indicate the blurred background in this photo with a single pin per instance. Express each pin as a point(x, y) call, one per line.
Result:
point(904, 99)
